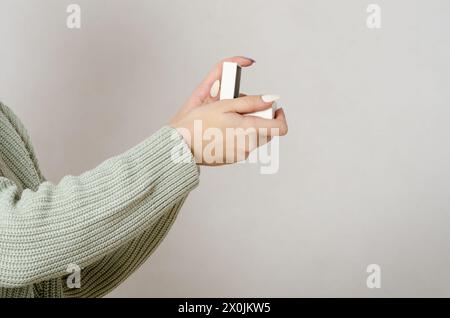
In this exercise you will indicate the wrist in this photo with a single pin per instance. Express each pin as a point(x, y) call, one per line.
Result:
point(186, 136)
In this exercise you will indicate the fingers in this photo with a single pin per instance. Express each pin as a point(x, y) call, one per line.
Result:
point(272, 127)
point(211, 84)
point(216, 72)
point(248, 104)
point(208, 91)
point(280, 117)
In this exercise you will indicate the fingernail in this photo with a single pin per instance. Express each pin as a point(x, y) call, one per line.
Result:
point(270, 98)
point(215, 89)
point(249, 58)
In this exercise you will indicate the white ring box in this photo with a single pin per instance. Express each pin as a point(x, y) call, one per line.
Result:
point(231, 81)
point(268, 113)
point(230, 86)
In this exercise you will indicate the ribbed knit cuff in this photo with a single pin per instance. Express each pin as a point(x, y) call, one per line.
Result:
point(167, 165)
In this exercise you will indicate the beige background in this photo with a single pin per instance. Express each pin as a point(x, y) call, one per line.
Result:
point(364, 175)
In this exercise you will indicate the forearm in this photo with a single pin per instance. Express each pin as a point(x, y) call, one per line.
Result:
point(85, 218)
point(100, 278)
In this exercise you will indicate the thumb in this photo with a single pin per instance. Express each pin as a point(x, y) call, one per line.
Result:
point(249, 104)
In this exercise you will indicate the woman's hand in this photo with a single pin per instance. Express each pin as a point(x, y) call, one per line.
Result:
point(208, 91)
point(219, 132)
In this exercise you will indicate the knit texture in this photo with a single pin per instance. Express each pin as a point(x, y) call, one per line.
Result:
point(107, 220)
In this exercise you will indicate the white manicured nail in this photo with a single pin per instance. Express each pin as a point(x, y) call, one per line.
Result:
point(270, 98)
point(215, 89)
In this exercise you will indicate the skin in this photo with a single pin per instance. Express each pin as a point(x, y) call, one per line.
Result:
point(224, 114)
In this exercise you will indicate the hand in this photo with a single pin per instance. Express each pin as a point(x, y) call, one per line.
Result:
point(204, 108)
point(219, 132)
point(207, 91)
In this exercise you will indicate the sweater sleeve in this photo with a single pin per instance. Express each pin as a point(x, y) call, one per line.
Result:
point(85, 218)
point(100, 278)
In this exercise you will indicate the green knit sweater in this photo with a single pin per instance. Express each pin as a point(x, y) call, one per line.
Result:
point(107, 220)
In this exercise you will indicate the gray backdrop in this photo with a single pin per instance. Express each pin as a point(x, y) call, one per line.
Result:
point(364, 171)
